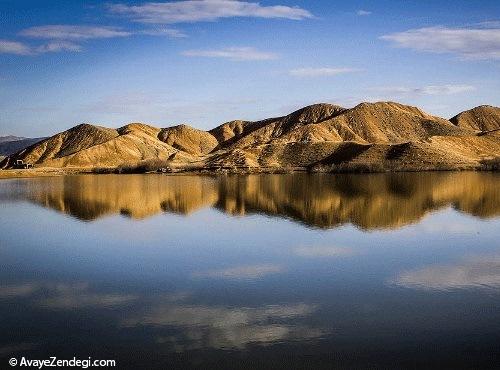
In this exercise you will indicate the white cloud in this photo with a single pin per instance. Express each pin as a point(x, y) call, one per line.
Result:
point(19, 48)
point(321, 72)
point(14, 47)
point(242, 272)
point(482, 272)
point(233, 53)
point(65, 37)
point(72, 32)
point(444, 89)
point(169, 32)
point(363, 12)
point(468, 43)
point(56, 46)
point(204, 10)
point(448, 89)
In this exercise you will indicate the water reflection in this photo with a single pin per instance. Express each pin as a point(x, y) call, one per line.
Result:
point(203, 326)
point(189, 325)
point(250, 272)
point(253, 292)
point(473, 273)
point(54, 295)
point(325, 201)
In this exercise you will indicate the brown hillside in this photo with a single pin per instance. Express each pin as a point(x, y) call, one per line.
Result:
point(482, 118)
point(383, 136)
point(93, 146)
point(387, 122)
point(229, 130)
point(383, 122)
point(264, 130)
point(66, 143)
point(188, 139)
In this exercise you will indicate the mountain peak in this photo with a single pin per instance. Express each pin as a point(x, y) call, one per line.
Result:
point(480, 118)
point(188, 139)
point(379, 135)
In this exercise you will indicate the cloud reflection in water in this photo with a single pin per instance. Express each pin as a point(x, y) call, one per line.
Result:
point(473, 273)
point(201, 326)
point(249, 272)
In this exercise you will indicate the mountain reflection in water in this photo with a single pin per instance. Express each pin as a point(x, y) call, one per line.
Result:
point(318, 200)
point(250, 272)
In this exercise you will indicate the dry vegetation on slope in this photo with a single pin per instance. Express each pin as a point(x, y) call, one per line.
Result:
point(382, 136)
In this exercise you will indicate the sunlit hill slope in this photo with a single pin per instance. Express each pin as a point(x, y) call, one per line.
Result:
point(382, 136)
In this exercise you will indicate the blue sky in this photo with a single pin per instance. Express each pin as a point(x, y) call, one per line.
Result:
point(205, 62)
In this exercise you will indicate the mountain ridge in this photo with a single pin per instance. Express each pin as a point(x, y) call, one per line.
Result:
point(12, 144)
point(381, 136)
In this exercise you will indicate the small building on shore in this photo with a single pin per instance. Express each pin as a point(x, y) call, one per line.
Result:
point(20, 164)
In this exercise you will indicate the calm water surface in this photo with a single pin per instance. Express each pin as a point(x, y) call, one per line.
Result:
point(266, 271)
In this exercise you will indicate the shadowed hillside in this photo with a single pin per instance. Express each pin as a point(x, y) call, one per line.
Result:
point(13, 144)
point(370, 137)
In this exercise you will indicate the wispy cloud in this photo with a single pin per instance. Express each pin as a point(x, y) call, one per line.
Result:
point(20, 48)
point(233, 53)
point(363, 12)
point(61, 37)
point(242, 272)
point(72, 32)
point(168, 32)
point(424, 90)
point(204, 10)
point(56, 46)
point(321, 72)
point(14, 47)
point(489, 24)
point(480, 43)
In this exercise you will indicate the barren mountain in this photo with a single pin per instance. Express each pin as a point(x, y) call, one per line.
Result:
point(94, 146)
point(8, 138)
point(321, 137)
point(482, 118)
point(188, 139)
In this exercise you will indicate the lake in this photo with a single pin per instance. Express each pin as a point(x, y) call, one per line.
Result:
point(260, 271)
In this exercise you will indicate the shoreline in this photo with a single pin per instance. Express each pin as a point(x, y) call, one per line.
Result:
point(55, 172)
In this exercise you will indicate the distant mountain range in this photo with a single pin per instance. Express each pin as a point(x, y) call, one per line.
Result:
point(12, 144)
point(383, 136)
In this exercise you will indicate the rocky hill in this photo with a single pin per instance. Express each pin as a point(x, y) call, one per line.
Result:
point(482, 118)
point(383, 136)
